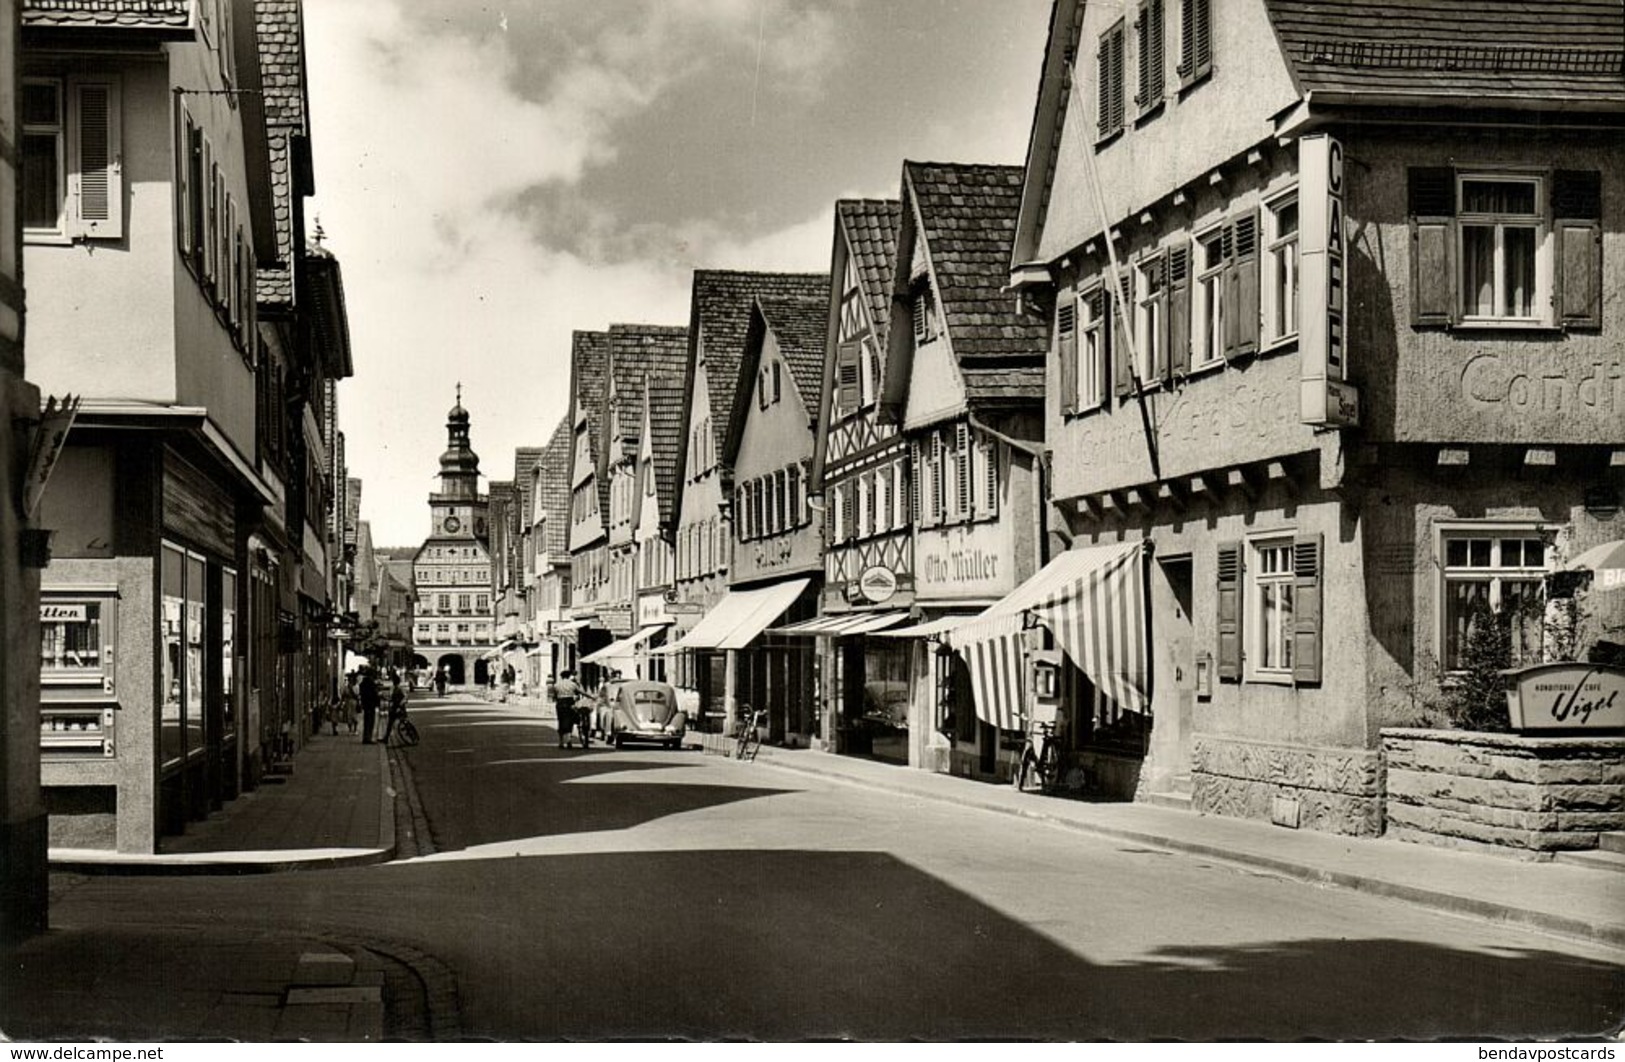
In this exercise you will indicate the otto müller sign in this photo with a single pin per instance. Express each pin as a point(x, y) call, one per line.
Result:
point(1570, 696)
point(1325, 396)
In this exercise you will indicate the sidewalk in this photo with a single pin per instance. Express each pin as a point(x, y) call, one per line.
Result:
point(1570, 901)
point(107, 981)
point(335, 809)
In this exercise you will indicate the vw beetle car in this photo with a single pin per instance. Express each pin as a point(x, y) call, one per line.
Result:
point(646, 711)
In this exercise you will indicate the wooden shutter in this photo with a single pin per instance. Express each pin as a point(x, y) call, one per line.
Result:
point(1177, 318)
point(1121, 304)
point(962, 470)
point(1196, 40)
point(1242, 287)
point(777, 382)
point(1431, 198)
point(914, 472)
point(95, 187)
point(1066, 350)
point(1577, 214)
point(184, 190)
point(846, 368)
point(990, 475)
point(1230, 607)
point(1109, 67)
point(1307, 565)
point(1156, 273)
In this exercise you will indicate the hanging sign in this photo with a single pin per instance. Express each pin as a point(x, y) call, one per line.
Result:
point(49, 437)
point(877, 583)
point(1326, 398)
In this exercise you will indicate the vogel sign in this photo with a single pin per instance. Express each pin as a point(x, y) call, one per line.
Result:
point(1569, 696)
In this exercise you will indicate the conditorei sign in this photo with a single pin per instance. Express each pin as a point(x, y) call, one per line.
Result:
point(1569, 696)
point(1325, 396)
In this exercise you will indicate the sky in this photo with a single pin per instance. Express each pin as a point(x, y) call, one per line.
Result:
point(494, 177)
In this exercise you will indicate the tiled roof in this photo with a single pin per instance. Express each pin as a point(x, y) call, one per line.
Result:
point(1571, 50)
point(589, 367)
point(800, 326)
point(132, 14)
point(721, 313)
point(871, 233)
point(554, 485)
point(279, 38)
point(524, 461)
point(967, 215)
point(652, 352)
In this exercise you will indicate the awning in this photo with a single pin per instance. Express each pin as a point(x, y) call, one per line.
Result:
point(567, 627)
point(843, 624)
point(740, 616)
point(1092, 601)
point(623, 649)
point(929, 629)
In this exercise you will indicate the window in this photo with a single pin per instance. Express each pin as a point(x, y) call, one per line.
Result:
point(1269, 609)
point(849, 393)
point(1109, 83)
point(1281, 270)
point(870, 360)
point(1488, 575)
point(1272, 606)
point(837, 515)
point(71, 166)
point(987, 477)
point(463, 602)
point(443, 602)
point(1150, 318)
point(1092, 347)
point(1149, 34)
point(1195, 41)
point(900, 519)
point(1207, 332)
point(925, 314)
point(1495, 248)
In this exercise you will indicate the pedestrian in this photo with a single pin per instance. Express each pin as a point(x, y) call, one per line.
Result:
point(344, 708)
point(369, 705)
point(566, 692)
point(397, 703)
point(440, 681)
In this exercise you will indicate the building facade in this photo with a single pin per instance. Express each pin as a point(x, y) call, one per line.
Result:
point(451, 572)
point(1331, 337)
point(549, 553)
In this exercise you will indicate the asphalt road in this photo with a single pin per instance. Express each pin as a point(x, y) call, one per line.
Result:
point(599, 894)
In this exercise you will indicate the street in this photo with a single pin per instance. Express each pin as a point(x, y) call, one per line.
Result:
point(589, 894)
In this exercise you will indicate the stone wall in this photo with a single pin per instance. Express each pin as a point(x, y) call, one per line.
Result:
point(1334, 790)
point(1526, 795)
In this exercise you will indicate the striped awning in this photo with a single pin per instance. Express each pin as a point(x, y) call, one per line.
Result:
point(843, 624)
point(739, 617)
point(929, 629)
point(1092, 601)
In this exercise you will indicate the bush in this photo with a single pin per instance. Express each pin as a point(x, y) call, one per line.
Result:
point(1476, 699)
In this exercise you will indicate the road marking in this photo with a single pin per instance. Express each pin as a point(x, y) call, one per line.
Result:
point(453, 752)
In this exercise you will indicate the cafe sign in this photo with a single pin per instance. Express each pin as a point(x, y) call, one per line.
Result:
point(878, 584)
point(1568, 696)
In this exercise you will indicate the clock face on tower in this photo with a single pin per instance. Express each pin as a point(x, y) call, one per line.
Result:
point(452, 524)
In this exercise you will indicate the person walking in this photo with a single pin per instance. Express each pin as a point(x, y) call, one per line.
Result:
point(345, 707)
point(397, 703)
point(440, 681)
point(566, 693)
point(369, 705)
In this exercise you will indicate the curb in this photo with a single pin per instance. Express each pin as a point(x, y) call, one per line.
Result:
point(1611, 934)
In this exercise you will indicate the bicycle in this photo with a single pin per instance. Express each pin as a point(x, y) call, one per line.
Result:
point(1040, 767)
point(402, 731)
point(749, 738)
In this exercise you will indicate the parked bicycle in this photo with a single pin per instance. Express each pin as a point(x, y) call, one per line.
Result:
point(748, 740)
point(402, 731)
point(1040, 767)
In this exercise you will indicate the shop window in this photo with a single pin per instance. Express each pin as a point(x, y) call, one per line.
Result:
point(70, 167)
point(76, 643)
point(1280, 283)
point(1492, 574)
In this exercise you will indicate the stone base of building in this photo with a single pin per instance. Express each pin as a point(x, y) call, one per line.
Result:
point(1507, 793)
point(1333, 790)
point(25, 882)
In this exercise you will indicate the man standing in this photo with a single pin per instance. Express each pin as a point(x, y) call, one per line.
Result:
point(369, 705)
point(566, 692)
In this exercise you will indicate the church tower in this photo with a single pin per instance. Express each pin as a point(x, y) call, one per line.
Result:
point(455, 626)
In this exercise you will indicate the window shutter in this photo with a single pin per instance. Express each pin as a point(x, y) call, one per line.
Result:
point(847, 369)
point(1066, 350)
point(962, 470)
point(94, 172)
point(916, 469)
point(797, 498)
point(1229, 587)
point(1246, 261)
point(1577, 210)
point(1431, 199)
point(1177, 319)
point(1122, 355)
point(990, 476)
point(900, 489)
point(1196, 40)
point(1109, 65)
point(184, 190)
point(777, 381)
point(1307, 565)
point(206, 238)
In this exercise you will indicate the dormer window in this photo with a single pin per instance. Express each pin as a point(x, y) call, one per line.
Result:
point(924, 306)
